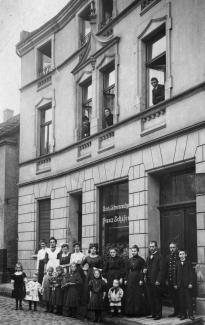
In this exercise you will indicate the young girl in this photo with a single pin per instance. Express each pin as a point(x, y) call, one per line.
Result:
point(115, 295)
point(71, 284)
point(184, 285)
point(46, 287)
point(97, 288)
point(18, 280)
point(33, 288)
point(57, 293)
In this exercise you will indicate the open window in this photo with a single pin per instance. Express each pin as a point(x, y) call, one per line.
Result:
point(107, 12)
point(85, 27)
point(108, 95)
point(44, 54)
point(156, 67)
point(86, 108)
point(45, 129)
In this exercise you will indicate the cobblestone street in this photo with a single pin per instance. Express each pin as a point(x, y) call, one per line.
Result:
point(9, 316)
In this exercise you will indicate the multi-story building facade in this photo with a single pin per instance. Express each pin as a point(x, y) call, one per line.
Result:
point(131, 172)
point(9, 170)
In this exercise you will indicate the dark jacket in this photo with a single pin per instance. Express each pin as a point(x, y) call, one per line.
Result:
point(157, 94)
point(184, 274)
point(155, 269)
point(170, 267)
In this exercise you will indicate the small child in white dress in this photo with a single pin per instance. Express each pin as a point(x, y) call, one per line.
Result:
point(33, 288)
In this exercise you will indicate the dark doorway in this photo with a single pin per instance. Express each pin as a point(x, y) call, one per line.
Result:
point(75, 219)
point(178, 212)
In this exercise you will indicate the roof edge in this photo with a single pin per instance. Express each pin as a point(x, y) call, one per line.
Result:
point(52, 25)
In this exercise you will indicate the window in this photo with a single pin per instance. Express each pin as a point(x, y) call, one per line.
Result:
point(85, 26)
point(43, 226)
point(45, 130)
point(44, 59)
point(86, 108)
point(156, 67)
point(107, 12)
point(108, 96)
point(114, 215)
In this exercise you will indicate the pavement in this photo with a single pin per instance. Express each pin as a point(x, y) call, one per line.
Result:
point(9, 316)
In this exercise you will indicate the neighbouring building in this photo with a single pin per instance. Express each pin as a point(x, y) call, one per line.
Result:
point(108, 153)
point(9, 171)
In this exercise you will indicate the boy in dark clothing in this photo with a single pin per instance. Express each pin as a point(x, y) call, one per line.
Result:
point(184, 284)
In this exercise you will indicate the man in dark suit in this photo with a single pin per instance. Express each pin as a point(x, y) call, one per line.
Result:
point(154, 280)
point(157, 91)
point(170, 276)
point(184, 285)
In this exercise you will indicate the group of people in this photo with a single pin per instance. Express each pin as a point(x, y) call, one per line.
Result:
point(72, 284)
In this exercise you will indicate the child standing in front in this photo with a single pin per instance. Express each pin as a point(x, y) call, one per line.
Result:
point(115, 295)
point(33, 288)
point(184, 284)
point(97, 288)
point(57, 293)
point(47, 287)
point(71, 284)
point(18, 280)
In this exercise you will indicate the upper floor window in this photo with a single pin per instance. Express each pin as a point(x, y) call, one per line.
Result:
point(44, 59)
point(107, 12)
point(85, 27)
point(86, 108)
point(108, 95)
point(146, 3)
point(45, 130)
point(156, 67)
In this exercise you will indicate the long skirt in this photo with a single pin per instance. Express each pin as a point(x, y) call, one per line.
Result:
point(96, 301)
point(71, 297)
point(133, 294)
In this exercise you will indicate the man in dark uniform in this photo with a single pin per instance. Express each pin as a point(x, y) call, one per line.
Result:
point(171, 261)
point(154, 279)
point(157, 91)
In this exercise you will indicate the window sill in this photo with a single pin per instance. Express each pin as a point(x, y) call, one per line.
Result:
point(88, 155)
point(106, 148)
point(154, 129)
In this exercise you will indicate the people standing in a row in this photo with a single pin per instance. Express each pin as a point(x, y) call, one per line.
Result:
point(142, 282)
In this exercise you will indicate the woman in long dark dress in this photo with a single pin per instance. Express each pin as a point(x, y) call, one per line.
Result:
point(134, 281)
point(93, 260)
point(114, 268)
point(18, 280)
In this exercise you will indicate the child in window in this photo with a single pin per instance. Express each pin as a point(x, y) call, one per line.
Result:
point(97, 288)
point(115, 295)
point(184, 284)
point(46, 287)
point(33, 288)
point(18, 280)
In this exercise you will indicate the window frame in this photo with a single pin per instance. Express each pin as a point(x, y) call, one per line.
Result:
point(84, 16)
point(86, 103)
point(37, 227)
point(149, 62)
point(46, 126)
point(107, 90)
point(38, 57)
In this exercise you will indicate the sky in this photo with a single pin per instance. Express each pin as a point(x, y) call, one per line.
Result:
point(15, 16)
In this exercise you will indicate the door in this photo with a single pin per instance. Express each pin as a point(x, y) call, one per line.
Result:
point(179, 225)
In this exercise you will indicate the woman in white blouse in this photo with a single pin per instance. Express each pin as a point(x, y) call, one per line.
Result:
point(53, 252)
point(42, 259)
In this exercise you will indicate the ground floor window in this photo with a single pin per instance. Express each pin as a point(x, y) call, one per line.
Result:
point(114, 217)
point(43, 225)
